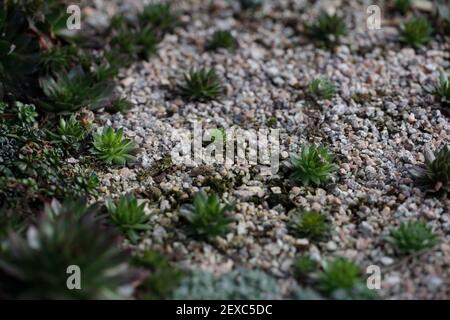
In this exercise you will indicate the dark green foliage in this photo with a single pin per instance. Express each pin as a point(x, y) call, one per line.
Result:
point(202, 85)
point(163, 278)
point(413, 236)
point(239, 284)
point(328, 29)
point(19, 54)
point(434, 175)
point(35, 267)
point(322, 89)
point(31, 167)
point(416, 32)
point(112, 148)
point(70, 91)
point(304, 265)
point(251, 4)
point(10, 221)
point(159, 16)
point(107, 65)
point(340, 274)
point(37, 66)
point(136, 44)
point(69, 132)
point(58, 59)
point(309, 224)
point(222, 39)
point(207, 216)
point(128, 216)
point(26, 113)
point(121, 105)
point(402, 6)
point(442, 90)
point(313, 165)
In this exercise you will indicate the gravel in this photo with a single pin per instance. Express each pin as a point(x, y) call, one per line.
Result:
point(379, 124)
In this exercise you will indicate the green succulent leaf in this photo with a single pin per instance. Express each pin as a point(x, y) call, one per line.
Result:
point(129, 216)
point(416, 32)
point(202, 85)
point(412, 236)
point(207, 216)
point(309, 224)
point(112, 148)
point(313, 165)
point(35, 267)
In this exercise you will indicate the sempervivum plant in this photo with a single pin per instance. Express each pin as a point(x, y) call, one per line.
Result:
point(69, 132)
point(309, 224)
point(207, 216)
point(313, 165)
point(328, 29)
point(442, 89)
point(36, 266)
point(222, 39)
point(70, 91)
point(322, 89)
point(434, 175)
point(112, 148)
point(129, 216)
point(412, 236)
point(26, 112)
point(416, 32)
point(201, 85)
point(403, 6)
point(159, 16)
point(340, 274)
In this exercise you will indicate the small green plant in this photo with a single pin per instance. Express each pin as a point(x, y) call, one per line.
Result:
point(304, 265)
point(222, 39)
point(136, 44)
point(442, 89)
point(434, 175)
point(35, 267)
point(340, 274)
point(121, 105)
point(416, 32)
point(239, 284)
point(112, 148)
point(202, 85)
point(69, 92)
point(251, 4)
point(322, 89)
point(128, 216)
point(313, 165)
point(163, 279)
point(69, 132)
point(328, 29)
point(107, 65)
point(26, 112)
point(309, 224)
point(207, 216)
point(59, 58)
point(413, 236)
point(159, 16)
point(403, 6)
